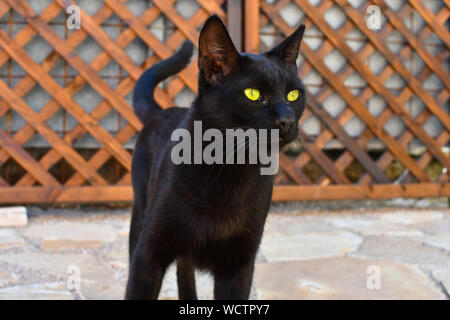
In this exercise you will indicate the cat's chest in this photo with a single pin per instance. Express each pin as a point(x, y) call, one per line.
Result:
point(231, 202)
point(225, 206)
point(225, 216)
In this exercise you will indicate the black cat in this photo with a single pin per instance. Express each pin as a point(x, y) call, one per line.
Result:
point(209, 217)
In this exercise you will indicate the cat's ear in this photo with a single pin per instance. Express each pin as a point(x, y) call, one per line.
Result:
point(217, 54)
point(288, 49)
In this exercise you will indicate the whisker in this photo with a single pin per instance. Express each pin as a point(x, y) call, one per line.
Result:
point(234, 151)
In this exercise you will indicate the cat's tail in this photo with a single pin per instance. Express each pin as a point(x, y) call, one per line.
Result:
point(144, 104)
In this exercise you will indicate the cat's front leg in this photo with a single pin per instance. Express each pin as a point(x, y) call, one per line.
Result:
point(186, 280)
point(234, 283)
point(146, 273)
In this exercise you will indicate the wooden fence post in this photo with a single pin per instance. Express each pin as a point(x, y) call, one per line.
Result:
point(251, 26)
point(234, 22)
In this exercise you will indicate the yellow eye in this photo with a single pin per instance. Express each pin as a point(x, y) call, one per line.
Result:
point(292, 95)
point(252, 94)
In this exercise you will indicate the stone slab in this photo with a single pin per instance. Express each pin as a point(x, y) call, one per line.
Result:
point(13, 217)
point(408, 217)
point(10, 238)
point(125, 230)
point(372, 226)
point(40, 291)
point(71, 235)
point(440, 240)
point(403, 250)
point(279, 224)
point(435, 227)
point(7, 278)
point(341, 278)
point(443, 276)
point(98, 281)
point(309, 245)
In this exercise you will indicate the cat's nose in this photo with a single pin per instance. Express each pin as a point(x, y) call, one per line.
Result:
point(284, 118)
point(285, 125)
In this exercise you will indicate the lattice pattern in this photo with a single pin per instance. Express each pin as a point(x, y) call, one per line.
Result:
point(87, 68)
point(377, 117)
point(370, 92)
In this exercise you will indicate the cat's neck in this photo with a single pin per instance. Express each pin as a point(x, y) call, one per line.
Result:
point(224, 185)
point(217, 183)
point(218, 171)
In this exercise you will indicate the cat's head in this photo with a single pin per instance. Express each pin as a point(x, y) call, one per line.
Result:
point(246, 90)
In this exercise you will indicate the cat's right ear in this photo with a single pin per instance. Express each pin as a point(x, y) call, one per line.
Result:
point(288, 49)
point(217, 54)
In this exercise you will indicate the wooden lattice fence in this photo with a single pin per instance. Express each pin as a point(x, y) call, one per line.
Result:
point(334, 89)
point(75, 144)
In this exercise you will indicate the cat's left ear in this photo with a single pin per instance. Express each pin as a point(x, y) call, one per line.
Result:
point(217, 54)
point(288, 49)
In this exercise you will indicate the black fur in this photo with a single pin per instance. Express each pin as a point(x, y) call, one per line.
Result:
point(144, 104)
point(208, 217)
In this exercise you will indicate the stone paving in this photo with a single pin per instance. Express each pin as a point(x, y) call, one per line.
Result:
point(305, 254)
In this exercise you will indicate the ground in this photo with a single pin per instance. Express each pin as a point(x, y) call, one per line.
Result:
point(306, 253)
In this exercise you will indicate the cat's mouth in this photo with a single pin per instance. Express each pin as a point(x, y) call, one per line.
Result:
point(288, 136)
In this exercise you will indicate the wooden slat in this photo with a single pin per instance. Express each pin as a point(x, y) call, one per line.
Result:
point(406, 137)
point(332, 184)
point(51, 107)
point(290, 170)
point(100, 36)
point(76, 62)
point(3, 8)
point(65, 100)
point(372, 80)
point(25, 35)
point(325, 163)
point(356, 150)
point(378, 191)
point(92, 194)
point(212, 7)
point(429, 17)
point(99, 194)
point(427, 57)
point(391, 58)
point(188, 75)
point(251, 36)
point(172, 14)
point(27, 83)
point(352, 101)
point(25, 160)
point(234, 21)
point(115, 50)
point(52, 138)
point(79, 80)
